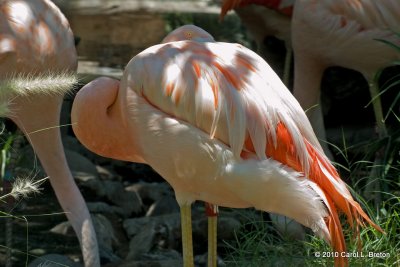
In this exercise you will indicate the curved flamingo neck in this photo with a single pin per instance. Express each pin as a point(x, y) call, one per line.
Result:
point(98, 121)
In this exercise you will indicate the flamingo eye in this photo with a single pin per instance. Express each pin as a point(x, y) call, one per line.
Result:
point(189, 35)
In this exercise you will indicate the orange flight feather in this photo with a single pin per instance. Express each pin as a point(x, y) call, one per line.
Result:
point(285, 152)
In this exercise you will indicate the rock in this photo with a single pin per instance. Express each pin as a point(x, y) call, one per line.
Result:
point(145, 263)
point(107, 256)
point(105, 173)
point(37, 251)
point(151, 191)
point(201, 261)
point(63, 228)
point(142, 242)
point(53, 260)
point(227, 225)
point(128, 202)
point(81, 167)
point(72, 143)
point(163, 255)
point(102, 207)
point(165, 205)
point(102, 226)
point(288, 227)
point(104, 231)
point(152, 233)
point(134, 226)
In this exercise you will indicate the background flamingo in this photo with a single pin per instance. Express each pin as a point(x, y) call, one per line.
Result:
point(218, 124)
point(264, 18)
point(37, 66)
point(342, 33)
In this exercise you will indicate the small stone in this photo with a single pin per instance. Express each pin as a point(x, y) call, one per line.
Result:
point(63, 228)
point(37, 251)
point(151, 191)
point(165, 205)
point(53, 260)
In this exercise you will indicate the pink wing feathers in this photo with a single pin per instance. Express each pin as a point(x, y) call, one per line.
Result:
point(222, 88)
point(232, 94)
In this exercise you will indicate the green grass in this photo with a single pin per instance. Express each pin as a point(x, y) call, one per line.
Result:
point(259, 244)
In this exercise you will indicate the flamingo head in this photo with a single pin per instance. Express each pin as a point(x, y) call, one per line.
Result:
point(188, 32)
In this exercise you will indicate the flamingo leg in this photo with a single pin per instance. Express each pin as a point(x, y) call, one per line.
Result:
point(212, 214)
point(212, 241)
point(187, 243)
point(373, 186)
point(377, 105)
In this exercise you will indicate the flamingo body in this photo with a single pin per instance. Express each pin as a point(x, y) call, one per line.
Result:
point(347, 32)
point(37, 66)
point(264, 18)
point(341, 33)
point(30, 29)
point(218, 124)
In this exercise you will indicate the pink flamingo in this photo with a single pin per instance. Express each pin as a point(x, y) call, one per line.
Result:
point(37, 66)
point(341, 33)
point(264, 18)
point(219, 125)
